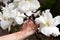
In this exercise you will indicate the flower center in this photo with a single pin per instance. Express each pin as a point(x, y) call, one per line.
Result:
point(48, 23)
point(4, 17)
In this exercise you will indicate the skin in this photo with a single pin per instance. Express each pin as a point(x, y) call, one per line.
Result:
point(27, 29)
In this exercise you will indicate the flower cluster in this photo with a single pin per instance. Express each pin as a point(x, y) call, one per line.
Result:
point(15, 12)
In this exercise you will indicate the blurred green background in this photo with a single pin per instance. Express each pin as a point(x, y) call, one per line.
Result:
point(53, 5)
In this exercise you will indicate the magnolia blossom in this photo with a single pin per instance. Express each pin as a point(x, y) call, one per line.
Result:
point(27, 6)
point(48, 23)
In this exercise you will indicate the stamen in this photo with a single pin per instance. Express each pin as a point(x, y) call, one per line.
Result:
point(48, 23)
point(5, 18)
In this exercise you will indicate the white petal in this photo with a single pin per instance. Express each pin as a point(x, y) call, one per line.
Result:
point(24, 6)
point(16, 0)
point(16, 3)
point(41, 19)
point(11, 6)
point(56, 21)
point(19, 20)
point(37, 20)
point(29, 13)
point(21, 15)
point(0, 15)
point(55, 31)
point(46, 31)
point(48, 15)
point(14, 13)
point(10, 13)
point(7, 13)
point(34, 4)
point(5, 24)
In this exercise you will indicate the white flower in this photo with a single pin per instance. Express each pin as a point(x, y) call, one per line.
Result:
point(9, 10)
point(4, 23)
point(48, 23)
point(27, 5)
point(14, 14)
